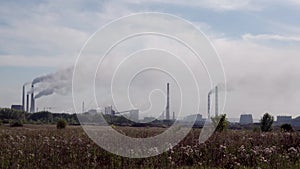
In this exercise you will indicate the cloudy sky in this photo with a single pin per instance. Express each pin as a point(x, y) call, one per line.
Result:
point(257, 41)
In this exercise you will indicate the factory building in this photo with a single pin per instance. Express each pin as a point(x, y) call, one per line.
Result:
point(296, 122)
point(190, 118)
point(134, 115)
point(283, 120)
point(109, 110)
point(92, 111)
point(246, 119)
point(17, 107)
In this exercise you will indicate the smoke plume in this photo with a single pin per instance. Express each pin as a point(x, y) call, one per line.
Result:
point(45, 92)
point(58, 82)
point(221, 88)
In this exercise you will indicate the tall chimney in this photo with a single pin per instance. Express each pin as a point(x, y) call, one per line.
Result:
point(23, 98)
point(83, 107)
point(216, 101)
point(208, 106)
point(27, 103)
point(32, 99)
point(173, 116)
point(168, 104)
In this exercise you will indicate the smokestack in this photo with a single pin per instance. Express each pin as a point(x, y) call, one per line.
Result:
point(208, 106)
point(23, 98)
point(168, 103)
point(32, 99)
point(216, 101)
point(173, 116)
point(27, 103)
point(82, 107)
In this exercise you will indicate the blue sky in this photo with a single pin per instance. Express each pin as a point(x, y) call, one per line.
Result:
point(40, 37)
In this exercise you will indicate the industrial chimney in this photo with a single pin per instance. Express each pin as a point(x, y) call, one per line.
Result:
point(173, 116)
point(27, 103)
point(23, 98)
point(168, 104)
point(216, 102)
point(32, 99)
point(208, 106)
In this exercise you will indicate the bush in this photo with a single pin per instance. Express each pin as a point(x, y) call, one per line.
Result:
point(61, 124)
point(16, 124)
point(5, 121)
point(220, 122)
point(266, 122)
point(256, 129)
point(286, 128)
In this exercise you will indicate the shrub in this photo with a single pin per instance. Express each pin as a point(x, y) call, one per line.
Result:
point(220, 122)
point(256, 129)
point(16, 124)
point(61, 124)
point(266, 122)
point(5, 121)
point(286, 128)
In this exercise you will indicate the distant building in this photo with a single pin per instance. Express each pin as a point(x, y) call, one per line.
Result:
point(190, 118)
point(296, 122)
point(92, 111)
point(109, 110)
point(284, 119)
point(149, 119)
point(246, 119)
point(134, 115)
point(17, 107)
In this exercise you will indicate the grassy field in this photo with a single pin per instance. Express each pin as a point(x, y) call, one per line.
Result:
point(43, 146)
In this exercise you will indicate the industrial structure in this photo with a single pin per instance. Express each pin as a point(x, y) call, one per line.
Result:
point(108, 110)
point(284, 119)
point(32, 101)
point(130, 114)
point(168, 103)
point(246, 119)
point(27, 102)
point(214, 90)
point(23, 97)
point(17, 107)
point(25, 107)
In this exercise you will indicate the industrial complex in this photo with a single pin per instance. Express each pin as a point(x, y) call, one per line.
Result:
point(28, 105)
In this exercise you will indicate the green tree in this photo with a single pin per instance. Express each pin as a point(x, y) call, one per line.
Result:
point(266, 122)
point(220, 122)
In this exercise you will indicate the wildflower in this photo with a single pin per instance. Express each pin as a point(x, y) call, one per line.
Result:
point(292, 150)
point(20, 152)
point(267, 150)
point(223, 147)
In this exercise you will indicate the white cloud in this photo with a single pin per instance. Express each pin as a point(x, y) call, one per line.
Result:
point(36, 61)
point(266, 37)
point(217, 5)
point(263, 77)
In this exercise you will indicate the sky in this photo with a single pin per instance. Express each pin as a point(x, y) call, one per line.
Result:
point(258, 42)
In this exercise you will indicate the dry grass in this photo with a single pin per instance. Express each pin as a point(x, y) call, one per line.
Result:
point(43, 146)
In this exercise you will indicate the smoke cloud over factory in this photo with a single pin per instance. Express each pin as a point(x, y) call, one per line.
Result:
point(55, 83)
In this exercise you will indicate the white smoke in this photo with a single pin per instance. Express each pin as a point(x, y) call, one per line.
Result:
point(58, 82)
